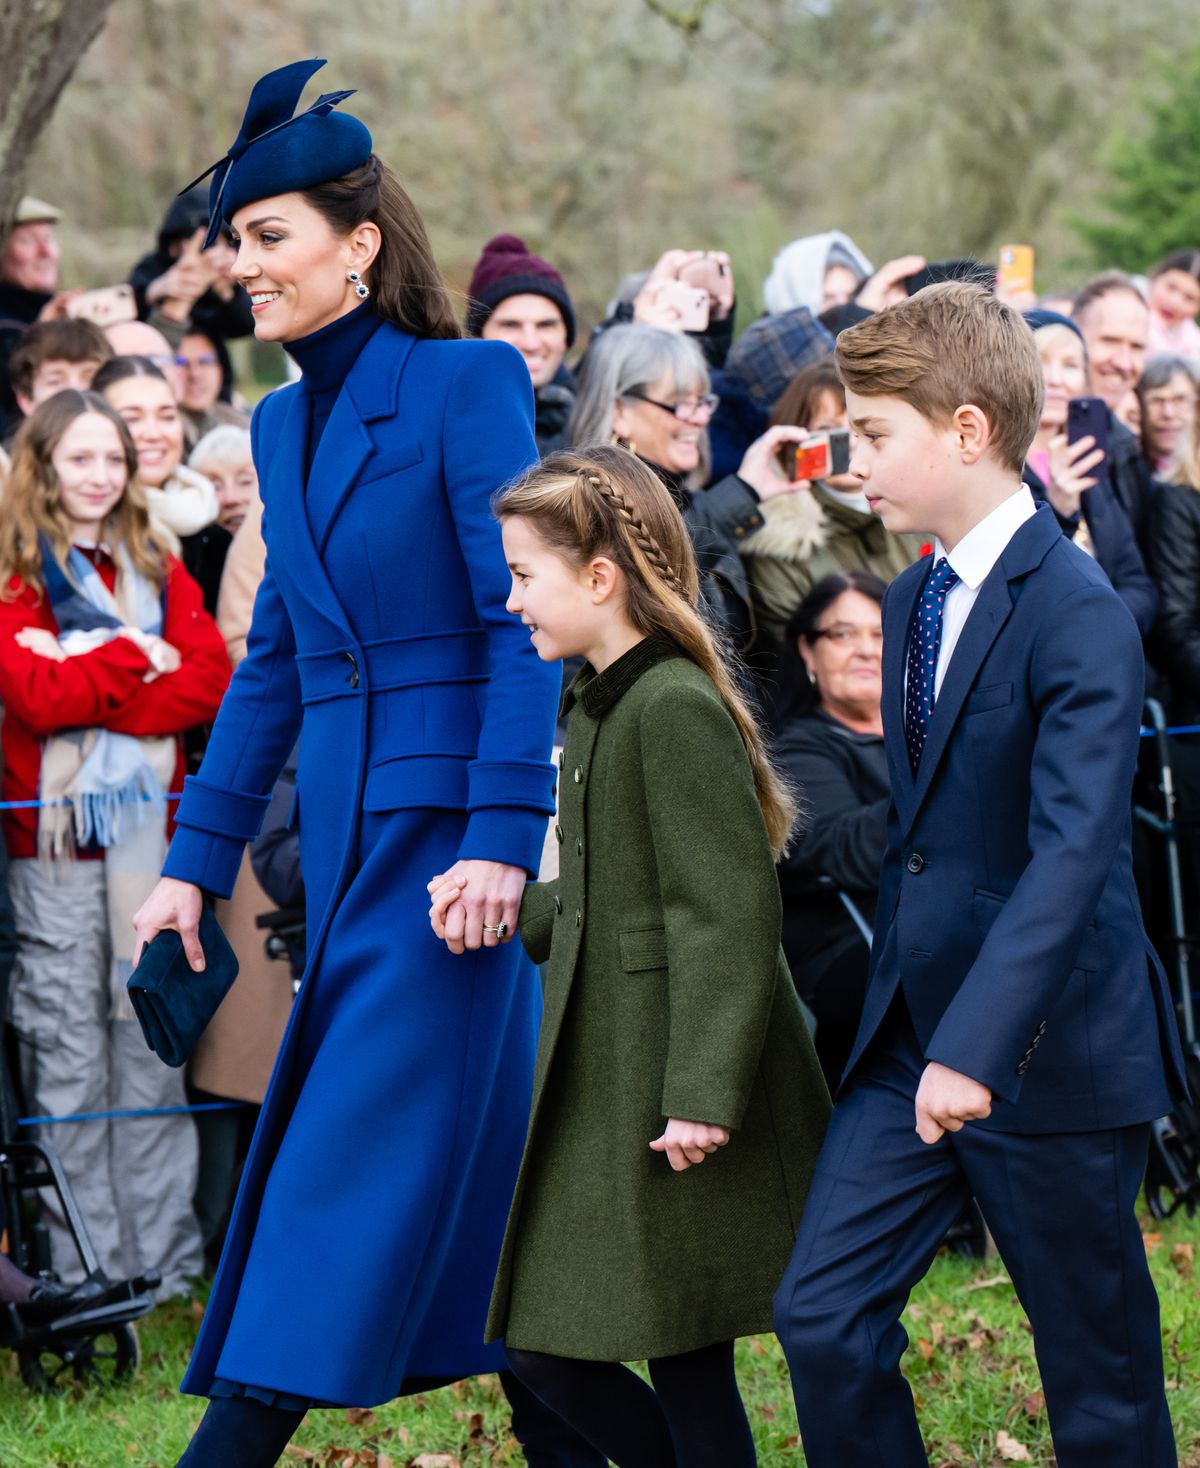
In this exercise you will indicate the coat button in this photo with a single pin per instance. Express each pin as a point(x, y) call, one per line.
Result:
point(916, 863)
point(579, 917)
point(562, 758)
point(579, 846)
point(558, 834)
point(558, 904)
point(579, 774)
point(353, 661)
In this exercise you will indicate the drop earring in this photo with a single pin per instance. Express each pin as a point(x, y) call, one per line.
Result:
point(360, 290)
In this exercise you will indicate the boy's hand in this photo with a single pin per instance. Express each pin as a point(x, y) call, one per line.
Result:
point(946, 1099)
point(687, 1143)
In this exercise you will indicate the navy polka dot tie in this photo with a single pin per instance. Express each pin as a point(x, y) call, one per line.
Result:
point(923, 643)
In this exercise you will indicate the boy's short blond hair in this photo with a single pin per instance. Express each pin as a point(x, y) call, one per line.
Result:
point(948, 345)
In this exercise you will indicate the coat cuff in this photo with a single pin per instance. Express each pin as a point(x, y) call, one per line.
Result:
point(206, 860)
point(714, 1107)
point(537, 919)
point(527, 784)
point(505, 834)
point(220, 811)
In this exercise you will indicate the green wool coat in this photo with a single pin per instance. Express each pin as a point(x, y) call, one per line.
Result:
point(666, 995)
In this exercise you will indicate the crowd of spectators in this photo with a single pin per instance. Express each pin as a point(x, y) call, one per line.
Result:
point(139, 383)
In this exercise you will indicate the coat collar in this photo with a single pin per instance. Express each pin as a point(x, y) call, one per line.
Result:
point(596, 693)
point(1029, 546)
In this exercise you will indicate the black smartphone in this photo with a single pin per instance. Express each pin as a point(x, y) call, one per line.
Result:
point(1088, 416)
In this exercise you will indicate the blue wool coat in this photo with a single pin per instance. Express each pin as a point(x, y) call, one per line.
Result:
point(369, 1220)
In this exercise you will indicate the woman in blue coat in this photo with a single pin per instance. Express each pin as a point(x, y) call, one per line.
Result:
point(369, 1220)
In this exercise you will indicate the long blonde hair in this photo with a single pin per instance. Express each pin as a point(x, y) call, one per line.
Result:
point(606, 502)
point(32, 506)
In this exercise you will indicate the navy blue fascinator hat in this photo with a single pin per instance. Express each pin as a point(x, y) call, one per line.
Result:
point(278, 153)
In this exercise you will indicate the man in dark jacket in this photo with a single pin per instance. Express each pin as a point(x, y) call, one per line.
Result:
point(178, 282)
point(518, 297)
point(1114, 319)
point(28, 283)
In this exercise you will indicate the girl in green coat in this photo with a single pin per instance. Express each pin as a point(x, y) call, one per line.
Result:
point(678, 1107)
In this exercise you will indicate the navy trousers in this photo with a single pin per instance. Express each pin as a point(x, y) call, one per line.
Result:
point(1061, 1209)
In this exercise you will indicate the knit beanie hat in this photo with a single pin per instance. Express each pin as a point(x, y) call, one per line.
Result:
point(506, 268)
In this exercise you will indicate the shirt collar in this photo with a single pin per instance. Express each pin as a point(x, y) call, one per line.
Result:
point(978, 551)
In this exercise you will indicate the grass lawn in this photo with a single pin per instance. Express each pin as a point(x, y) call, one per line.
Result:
point(970, 1363)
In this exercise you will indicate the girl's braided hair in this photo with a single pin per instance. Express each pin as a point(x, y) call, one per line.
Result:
point(606, 502)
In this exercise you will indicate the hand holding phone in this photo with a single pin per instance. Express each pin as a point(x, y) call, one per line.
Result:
point(107, 306)
point(1088, 418)
point(819, 456)
point(672, 305)
point(1014, 276)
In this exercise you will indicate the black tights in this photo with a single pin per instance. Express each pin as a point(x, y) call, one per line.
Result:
point(693, 1417)
point(238, 1432)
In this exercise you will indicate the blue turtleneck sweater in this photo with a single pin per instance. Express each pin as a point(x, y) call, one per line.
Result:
point(325, 357)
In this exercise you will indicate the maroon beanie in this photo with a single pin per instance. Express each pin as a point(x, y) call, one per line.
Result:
point(506, 268)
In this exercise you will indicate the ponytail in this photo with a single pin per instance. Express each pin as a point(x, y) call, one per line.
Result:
point(607, 502)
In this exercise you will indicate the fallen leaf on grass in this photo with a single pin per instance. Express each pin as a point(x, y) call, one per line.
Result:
point(1183, 1257)
point(304, 1454)
point(990, 1283)
point(1010, 1449)
point(434, 1460)
point(926, 1348)
point(1151, 1242)
point(360, 1417)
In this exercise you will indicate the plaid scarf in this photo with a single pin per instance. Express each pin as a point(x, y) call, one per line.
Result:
point(100, 788)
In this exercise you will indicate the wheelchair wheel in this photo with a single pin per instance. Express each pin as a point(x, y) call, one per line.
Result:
point(106, 1358)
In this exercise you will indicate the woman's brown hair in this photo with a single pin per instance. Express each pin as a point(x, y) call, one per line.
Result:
point(797, 404)
point(606, 502)
point(32, 507)
point(405, 283)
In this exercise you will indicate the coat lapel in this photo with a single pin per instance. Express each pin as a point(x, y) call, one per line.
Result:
point(901, 605)
point(993, 607)
point(370, 393)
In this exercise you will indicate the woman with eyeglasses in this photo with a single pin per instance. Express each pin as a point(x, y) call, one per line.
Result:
point(206, 397)
point(830, 741)
point(649, 390)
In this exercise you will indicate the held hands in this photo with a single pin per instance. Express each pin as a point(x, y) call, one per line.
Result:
point(473, 899)
point(761, 469)
point(175, 905)
point(946, 1099)
point(688, 1143)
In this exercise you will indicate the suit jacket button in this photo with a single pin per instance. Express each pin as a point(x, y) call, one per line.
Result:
point(558, 834)
point(916, 863)
point(558, 904)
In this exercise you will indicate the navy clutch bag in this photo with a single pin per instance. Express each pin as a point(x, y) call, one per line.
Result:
point(173, 1003)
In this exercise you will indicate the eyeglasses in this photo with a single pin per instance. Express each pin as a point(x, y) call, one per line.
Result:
point(1180, 402)
point(685, 408)
point(868, 637)
point(205, 359)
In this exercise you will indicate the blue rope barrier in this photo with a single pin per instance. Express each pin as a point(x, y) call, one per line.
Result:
point(143, 1111)
point(51, 804)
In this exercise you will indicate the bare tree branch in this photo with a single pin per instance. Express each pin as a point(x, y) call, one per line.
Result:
point(41, 42)
point(687, 21)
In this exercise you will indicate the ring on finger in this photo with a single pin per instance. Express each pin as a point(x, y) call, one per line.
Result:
point(500, 929)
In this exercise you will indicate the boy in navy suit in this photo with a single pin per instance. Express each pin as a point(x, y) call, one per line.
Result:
point(1018, 1037)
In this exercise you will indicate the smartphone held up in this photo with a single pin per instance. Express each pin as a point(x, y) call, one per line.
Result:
point(820, 456)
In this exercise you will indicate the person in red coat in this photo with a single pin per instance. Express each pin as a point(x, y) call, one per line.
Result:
point(106, 656)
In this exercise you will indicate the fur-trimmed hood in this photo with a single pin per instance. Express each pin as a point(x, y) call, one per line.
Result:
point(794, 528)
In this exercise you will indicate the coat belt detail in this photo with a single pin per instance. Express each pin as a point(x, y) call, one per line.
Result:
point(353, 671)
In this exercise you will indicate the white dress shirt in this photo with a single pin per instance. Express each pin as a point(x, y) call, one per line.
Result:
point(971, 560)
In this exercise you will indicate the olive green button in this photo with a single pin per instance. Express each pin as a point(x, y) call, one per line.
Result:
point(558, 834)
point(558, 904)
point(579, 774)
point(562, 758)
point(579, 845)
point(579, 917)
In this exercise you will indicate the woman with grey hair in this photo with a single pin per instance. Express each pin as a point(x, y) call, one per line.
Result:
point(1167, 395)
point(649, 390)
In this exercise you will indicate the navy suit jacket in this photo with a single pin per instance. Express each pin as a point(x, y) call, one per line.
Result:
point(1007, 908)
